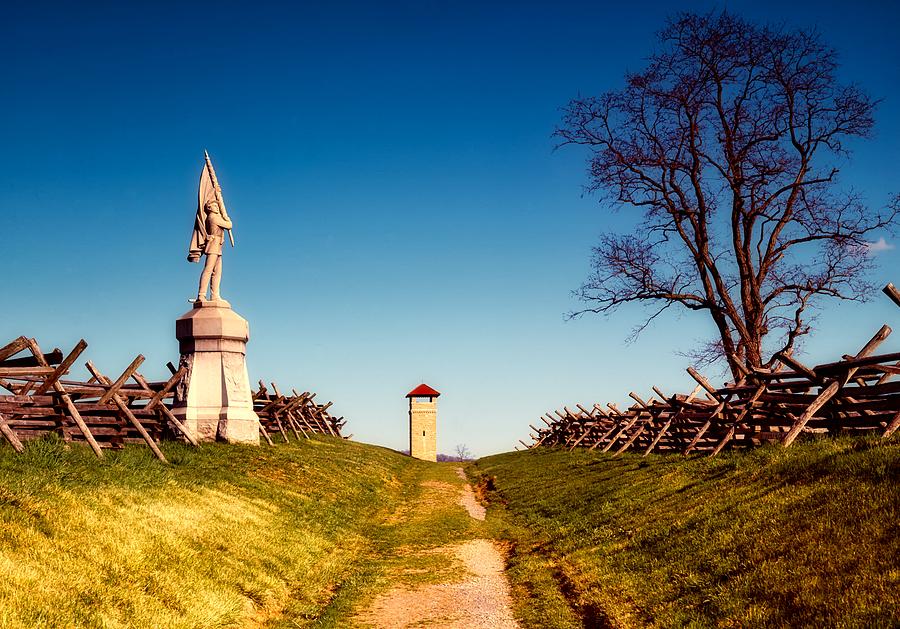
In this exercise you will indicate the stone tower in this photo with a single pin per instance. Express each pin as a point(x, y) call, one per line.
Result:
point(423, 423)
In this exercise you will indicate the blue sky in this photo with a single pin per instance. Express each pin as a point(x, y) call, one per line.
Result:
point(400, 213)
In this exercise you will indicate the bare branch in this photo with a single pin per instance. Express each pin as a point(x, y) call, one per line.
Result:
point(726, 143)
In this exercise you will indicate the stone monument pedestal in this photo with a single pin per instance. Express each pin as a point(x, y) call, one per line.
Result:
point(214, 401)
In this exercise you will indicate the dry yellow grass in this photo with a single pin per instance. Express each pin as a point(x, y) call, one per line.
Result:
point(223, 537)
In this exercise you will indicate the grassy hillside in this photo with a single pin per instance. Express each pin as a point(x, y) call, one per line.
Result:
point(308, 534)
point(806, 536)
point(225, 536)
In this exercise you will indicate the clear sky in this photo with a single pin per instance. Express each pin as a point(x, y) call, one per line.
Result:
point(400, 213)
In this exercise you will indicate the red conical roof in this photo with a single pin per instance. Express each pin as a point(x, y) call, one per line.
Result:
point(423, 390)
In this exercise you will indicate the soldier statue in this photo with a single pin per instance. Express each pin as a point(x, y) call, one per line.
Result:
point(208, 237)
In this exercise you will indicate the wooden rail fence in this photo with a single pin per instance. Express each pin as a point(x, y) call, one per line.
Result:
point(107, 413)
point(853, 395)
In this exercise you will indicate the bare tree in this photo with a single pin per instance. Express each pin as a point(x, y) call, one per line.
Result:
point(729, 144)
point(462, 453)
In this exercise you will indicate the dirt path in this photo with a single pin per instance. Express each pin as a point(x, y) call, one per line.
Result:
point(480, 599)
point(468, 500)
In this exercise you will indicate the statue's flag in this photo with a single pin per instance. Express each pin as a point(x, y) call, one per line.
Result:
point(217, 189)
point(206, 193)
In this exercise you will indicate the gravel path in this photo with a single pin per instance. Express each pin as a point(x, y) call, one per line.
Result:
point(467, 499)
point(480, 601)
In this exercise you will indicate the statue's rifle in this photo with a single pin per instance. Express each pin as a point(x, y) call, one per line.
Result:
point(215, 183)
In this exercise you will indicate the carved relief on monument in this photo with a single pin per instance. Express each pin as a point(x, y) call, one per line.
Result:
point(236, 381)
point(181, 389)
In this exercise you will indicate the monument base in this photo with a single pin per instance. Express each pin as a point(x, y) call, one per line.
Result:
point(213, 400)
point(226, 424)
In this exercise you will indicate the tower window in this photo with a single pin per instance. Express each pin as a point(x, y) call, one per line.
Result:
point(423, 433)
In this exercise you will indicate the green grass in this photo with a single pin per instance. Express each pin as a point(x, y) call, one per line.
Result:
point(406, 540)
point(225, 536)
point(806, 536)
point(309, 534)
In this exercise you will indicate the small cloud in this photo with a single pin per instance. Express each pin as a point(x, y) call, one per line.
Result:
point(874, 248)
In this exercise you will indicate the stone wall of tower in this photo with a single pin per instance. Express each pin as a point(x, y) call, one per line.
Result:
point(423, 428)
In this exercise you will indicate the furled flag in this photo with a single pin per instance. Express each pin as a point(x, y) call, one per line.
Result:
point(206, 193)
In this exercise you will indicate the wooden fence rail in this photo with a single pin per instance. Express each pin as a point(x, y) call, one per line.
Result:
point(853, 395)
point(107, 412)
